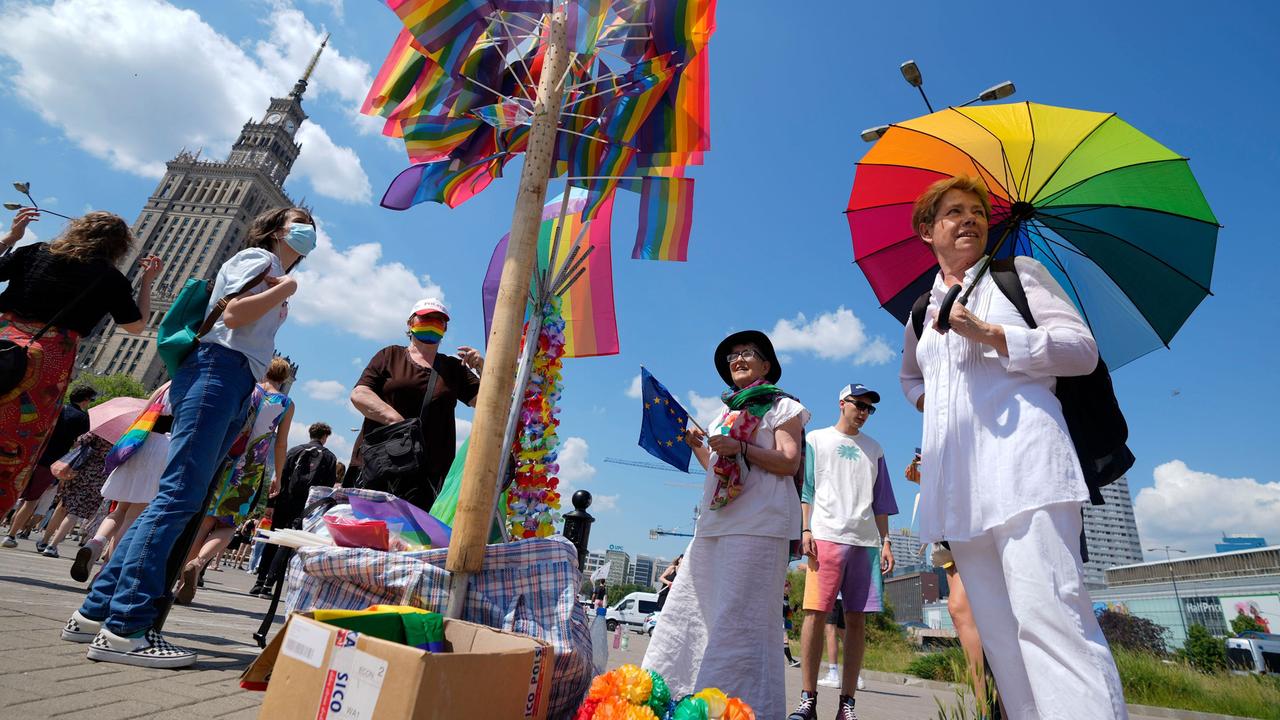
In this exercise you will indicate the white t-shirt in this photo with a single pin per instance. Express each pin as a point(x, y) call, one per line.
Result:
point(768, 505)
point(257, 340)
point(846, 483)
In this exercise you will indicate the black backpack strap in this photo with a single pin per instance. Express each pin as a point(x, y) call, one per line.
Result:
point(1005, 276)
point(918, 310)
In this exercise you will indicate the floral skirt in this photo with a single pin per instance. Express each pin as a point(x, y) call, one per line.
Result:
point(29, 411)
point(82, 494)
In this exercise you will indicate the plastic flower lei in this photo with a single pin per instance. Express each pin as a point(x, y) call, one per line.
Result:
point(629, 693)
point(533, 504)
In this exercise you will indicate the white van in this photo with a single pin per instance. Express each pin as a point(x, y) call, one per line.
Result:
point(632, 611)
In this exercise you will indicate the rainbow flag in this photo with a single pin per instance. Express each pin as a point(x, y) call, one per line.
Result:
point(666, 217)
point(434, 22)
point(583, 21)
point(135, 436)
point(432, 137)
point(626, 113)
point(677, 131)
point(591, 327)
point(408, 84)
point(447, 181)
point(683, 26)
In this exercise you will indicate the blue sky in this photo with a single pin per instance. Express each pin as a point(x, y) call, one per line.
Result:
point(98, 94)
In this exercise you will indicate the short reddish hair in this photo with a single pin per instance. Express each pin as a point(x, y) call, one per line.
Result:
point(925, 210)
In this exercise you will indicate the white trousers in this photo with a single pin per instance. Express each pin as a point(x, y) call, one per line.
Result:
point(720, 625)
point(1026, 588)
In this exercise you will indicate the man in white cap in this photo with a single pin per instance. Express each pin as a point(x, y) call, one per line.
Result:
point(845, 507)
point(393, 387)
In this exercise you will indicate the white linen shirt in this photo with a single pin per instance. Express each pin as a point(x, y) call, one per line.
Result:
point(769, 505)
point(995, 443)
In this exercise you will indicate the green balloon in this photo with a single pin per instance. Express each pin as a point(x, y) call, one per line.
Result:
point(691, 708)
point(660, 695)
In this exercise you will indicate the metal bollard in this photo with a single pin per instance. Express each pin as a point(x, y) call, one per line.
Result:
point(577, 525)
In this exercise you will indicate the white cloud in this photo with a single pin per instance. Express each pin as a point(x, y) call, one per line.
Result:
point(157, 78)
point(633, 390)
point(575, 471)
point(837, 335)
point(705, 409)
point(463, 430)
point(335, 6)
point(1191, 509)
point(353, 290)
point(325, 390)
point(572, 459)
point(333, 171)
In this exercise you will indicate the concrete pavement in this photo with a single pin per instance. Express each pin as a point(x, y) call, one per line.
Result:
point(43, 677)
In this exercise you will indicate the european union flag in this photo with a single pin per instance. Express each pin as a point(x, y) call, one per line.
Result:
point(662, 425)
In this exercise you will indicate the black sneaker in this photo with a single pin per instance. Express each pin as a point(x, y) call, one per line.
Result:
point(150, 650)
point(257, 590)
point(86, 557)
point(846, 712)
point(808, 707)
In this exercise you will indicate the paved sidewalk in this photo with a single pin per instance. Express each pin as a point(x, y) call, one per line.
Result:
point(43, 677)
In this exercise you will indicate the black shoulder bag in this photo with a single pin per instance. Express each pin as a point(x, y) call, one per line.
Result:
point(13, 357)
point(396, 450)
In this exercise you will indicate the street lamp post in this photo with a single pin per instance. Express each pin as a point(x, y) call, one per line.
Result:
point(1174, 580)
point(911, 73)
point(655, 532)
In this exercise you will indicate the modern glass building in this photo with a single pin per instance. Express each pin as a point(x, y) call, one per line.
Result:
point(1208, 590)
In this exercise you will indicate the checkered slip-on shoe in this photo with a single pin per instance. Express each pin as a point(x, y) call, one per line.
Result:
point(80, 629)
point(149, 651)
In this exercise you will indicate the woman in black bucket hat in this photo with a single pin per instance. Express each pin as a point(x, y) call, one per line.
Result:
point(721, 621)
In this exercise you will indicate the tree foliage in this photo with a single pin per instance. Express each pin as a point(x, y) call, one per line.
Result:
point(1132, 632)
point(109, 386)
point(617, 592)
point(1203, 651)
point(1242, 624)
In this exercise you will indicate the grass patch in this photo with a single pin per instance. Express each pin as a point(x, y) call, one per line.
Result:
point(947, 666)
point(1150, 681)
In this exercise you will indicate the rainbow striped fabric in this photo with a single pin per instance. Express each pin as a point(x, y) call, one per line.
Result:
point(133, 438)
point(435, 23)
point(583, 21)
point(591, 327)
point(648, 82)
point(666, 217)
point(432, 137)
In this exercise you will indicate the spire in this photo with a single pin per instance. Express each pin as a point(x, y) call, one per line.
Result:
point(301, 86)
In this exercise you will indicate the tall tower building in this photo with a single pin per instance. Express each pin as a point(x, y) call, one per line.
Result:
point(198, 217)
point(1111, 534)
point(906, 548)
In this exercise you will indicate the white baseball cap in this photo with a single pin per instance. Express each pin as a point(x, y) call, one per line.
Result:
point(430, 305)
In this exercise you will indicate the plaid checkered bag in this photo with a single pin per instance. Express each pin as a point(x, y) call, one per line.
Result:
point(527, 587)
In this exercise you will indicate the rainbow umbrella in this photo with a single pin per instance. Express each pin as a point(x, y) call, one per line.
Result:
point(1116, 217)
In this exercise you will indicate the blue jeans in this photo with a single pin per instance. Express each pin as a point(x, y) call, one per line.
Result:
point(210, 398)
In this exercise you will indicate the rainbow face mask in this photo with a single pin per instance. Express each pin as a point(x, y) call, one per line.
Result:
point(428, 329)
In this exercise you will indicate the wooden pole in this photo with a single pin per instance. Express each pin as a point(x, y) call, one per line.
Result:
point(479, 478)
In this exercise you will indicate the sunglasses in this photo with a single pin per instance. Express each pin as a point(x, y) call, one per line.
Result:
point(866, 407)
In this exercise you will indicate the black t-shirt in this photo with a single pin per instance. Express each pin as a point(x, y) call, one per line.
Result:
point(600, 593)
point(72, 423)
point(401, 383)
point(42, 283)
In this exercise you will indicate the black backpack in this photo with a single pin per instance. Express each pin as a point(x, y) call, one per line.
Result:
point(305, 467)
point(1089, 406)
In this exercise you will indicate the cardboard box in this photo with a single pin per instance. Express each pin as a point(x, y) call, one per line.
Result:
point(321, 672)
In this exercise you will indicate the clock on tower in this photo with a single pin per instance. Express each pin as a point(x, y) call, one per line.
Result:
point(274, 118)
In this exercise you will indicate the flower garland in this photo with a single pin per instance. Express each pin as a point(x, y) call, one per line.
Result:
point(630, 693)
point(533, 503)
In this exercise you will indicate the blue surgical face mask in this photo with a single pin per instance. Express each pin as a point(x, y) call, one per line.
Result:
point(301, 238)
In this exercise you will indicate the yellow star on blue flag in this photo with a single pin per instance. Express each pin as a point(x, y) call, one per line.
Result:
point(662, 433)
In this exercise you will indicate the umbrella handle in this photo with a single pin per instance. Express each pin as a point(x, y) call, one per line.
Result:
point(944, 310)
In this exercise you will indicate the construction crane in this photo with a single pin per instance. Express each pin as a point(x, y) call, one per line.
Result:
point(656, 466)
